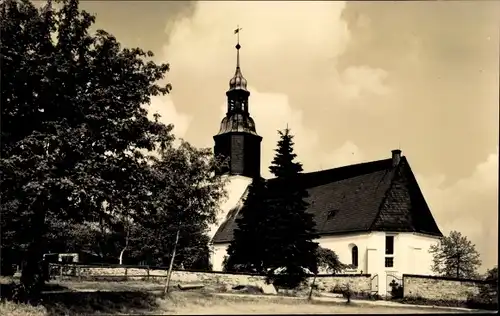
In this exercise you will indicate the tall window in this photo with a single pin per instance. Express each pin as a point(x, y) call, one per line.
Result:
point(389, 251)
point(354, 253)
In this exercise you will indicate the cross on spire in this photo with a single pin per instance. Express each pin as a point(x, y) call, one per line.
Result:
point(238, 46)
point(237, 32)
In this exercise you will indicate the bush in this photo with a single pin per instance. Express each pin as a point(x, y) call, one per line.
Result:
point(345, 290)
point(487, 298)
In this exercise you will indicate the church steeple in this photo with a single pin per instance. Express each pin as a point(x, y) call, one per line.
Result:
point(237, 138)
point(237, 94)
point(238, 82)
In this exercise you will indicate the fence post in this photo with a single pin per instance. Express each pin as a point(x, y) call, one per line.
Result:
point(60, 271)
point(147, 269)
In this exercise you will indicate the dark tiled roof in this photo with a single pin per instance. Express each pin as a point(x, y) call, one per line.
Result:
point(372, 196)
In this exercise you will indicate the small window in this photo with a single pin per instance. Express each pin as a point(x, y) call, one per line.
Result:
point(389, 245)
point(354, 253)
point(389, 262)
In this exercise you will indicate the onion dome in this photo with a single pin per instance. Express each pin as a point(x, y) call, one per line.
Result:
point(238, 82)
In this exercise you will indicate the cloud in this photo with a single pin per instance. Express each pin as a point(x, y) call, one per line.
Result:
point(283, 51)
point(164, 106)
point(470, 206)
point(363, 79)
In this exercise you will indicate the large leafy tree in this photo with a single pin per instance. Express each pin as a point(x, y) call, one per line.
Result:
point(247, 250)
point(455, 256)
point(186, 193)
point(290, 244)
point(74, 128)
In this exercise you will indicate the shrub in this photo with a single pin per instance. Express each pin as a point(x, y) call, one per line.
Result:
point(345, 290)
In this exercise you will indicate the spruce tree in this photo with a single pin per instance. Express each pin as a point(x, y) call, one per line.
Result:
point(290, 245)
point(247, 252)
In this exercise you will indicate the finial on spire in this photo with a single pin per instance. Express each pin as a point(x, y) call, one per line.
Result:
point(238, 46)
point(238, 82)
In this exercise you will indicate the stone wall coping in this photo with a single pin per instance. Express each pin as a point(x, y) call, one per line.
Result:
point(434, 277)
point(148, 268)
point(364, 275)
point(97, 266)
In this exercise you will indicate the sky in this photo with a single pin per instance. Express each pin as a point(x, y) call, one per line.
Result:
point(353, 80)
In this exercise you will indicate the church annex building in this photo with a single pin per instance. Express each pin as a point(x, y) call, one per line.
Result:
point(373, 214)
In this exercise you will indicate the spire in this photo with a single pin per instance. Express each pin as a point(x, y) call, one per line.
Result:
point(238, 46)
point(238, 82)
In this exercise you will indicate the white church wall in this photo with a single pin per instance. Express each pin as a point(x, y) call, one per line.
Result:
point(342, 246)
point(416, 248)
point(411, 255)
point(219, 251)
point(235, 188)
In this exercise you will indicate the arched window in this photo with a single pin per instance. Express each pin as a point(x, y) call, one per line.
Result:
point(354, 252)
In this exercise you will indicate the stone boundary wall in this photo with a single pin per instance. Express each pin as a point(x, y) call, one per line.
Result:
point(359, 283)
point(440, 288)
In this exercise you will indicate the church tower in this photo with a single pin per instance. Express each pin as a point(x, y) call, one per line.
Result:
point(237, 139)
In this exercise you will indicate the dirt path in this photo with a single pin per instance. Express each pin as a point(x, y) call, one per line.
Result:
point(73, 295)
point(219, 305)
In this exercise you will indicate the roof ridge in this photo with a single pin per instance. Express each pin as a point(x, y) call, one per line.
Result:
point(358, 169)
point(349, 166)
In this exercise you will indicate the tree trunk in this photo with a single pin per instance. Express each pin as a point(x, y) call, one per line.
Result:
point(312, 287)
point(121, 255)
point(32, 279)
point(458, 266)
point(126, 245)
point(169, 273)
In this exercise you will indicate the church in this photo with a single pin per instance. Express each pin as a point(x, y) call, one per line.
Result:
point(372, 214)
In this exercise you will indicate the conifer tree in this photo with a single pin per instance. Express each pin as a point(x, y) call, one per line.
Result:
point(247, 253)
point(290, 244)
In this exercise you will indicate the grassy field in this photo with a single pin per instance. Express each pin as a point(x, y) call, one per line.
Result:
point(73, 298)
